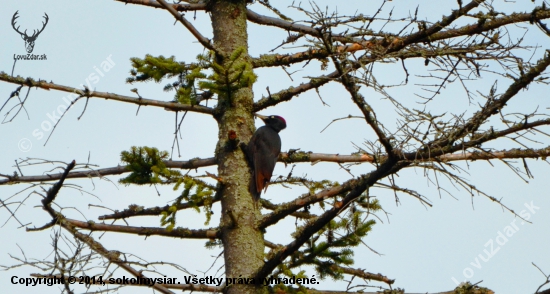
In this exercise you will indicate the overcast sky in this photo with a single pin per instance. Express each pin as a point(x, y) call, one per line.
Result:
point(423, 249)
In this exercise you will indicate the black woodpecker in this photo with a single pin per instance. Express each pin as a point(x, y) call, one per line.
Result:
point(263, 151)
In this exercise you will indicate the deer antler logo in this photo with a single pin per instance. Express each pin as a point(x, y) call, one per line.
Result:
point(29, 40)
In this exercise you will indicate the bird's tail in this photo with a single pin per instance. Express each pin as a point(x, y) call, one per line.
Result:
point(253, 189)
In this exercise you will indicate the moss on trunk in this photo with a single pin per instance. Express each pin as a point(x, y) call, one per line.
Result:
point(243, 242)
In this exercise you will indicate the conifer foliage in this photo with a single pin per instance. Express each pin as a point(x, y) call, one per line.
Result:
point(434, 57)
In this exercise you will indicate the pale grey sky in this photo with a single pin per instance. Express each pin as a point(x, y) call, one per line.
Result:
point(425, 250)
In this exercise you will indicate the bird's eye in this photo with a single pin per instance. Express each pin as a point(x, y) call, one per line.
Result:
point(272, 116)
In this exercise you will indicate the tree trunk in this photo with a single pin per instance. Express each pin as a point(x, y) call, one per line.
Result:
point(243, 242)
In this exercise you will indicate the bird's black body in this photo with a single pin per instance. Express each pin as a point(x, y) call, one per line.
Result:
point(263, 151)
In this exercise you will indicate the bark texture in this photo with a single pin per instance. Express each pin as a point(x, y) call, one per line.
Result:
point(242, 240)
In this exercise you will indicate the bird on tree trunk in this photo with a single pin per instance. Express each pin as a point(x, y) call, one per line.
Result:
point(263, 152)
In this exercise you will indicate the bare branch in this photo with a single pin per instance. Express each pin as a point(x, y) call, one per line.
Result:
point(146, 231)
point(434, 33)
point(134, 210)
point(204, 41)
point(111, 256)
point(52, 192)
point(494, 106)
point(287, 94)
point(290, 26)
point(189, 164)
point(300, 156)
point(355, 187)
point(155, 4)
point(170, 106)
point(364, 275)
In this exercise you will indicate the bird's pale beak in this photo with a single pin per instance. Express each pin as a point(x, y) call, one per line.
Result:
point(263, 117)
